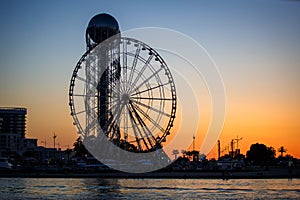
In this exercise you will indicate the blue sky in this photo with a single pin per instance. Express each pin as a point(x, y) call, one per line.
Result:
point(256, 45)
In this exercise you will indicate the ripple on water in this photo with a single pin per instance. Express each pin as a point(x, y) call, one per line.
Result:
point(91, 188)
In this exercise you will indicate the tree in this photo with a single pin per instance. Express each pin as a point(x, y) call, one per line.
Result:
point(282, 150)
point(175, 152)
point(126, 146)
point(194, 154)
point(260, 154)
point(79, 148)
point(183, 152)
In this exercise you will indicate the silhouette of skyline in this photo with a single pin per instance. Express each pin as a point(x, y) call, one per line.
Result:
point(256, 46)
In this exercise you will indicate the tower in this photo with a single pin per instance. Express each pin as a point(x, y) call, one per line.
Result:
point(100, 28)
point(12, 129)
point(122, 96)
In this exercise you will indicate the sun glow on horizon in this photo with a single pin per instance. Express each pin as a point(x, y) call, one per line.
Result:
point(255, 45)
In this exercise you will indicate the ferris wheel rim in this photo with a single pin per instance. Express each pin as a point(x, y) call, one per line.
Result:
point(173, 99)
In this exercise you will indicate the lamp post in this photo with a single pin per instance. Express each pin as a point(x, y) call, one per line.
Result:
point(54, 137)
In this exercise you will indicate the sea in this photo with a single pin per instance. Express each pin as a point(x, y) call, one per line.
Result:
point(97, 188)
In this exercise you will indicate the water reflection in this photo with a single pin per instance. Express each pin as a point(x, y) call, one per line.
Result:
point(108, 188)
point(37, 188)
point(96, 188)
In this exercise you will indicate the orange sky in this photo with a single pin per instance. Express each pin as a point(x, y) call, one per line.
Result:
point(274, 123)
point(263, 116)
point(262, 106)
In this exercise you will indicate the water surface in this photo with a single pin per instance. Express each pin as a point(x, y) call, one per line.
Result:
point(95, 188)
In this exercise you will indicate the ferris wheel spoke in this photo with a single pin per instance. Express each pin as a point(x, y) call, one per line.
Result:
point(114, 94)
point(79, 95)
point(155, 123)
point(116, 89)
point(143, 138)
point(80, 112)
point(107, 127)
point(142, 126)
point(92, 125)
point(137, 52)
point(119, 112)
point(114, 129)
point(84, 95)
point(123, 85)
point(145, 81)
point(124, 61)
point(146, 130)
point(116, 111)
point(141, 71)
point(151, 108)
point(91, 83)
point(118, 108)
point(80, 78)
point(85, 81)
point(149, 89)
point(126, 124)
point(153, 98)
point(136, 132)
point(114, 100)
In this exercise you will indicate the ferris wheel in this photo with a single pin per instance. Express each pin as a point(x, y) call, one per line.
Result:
point(124, 88)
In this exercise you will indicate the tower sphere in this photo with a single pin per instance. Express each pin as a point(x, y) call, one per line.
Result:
point(101, 27)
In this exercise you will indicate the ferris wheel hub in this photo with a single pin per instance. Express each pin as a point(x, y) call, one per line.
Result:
point(125, 98)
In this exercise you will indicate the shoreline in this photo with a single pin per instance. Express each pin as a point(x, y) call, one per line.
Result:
point(270, 174)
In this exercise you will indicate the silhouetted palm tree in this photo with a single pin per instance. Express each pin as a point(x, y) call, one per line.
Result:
point(183, 152)
point(175, 152)
point(282, 150)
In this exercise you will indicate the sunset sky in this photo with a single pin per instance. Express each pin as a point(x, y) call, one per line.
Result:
point(255, 44)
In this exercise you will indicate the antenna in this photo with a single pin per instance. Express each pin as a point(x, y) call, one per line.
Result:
point(193, 142)
point(219, 149)
point(54, 136)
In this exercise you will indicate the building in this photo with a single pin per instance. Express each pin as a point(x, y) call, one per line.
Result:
point(13, 142)
point(13, 121)
point(12, 132)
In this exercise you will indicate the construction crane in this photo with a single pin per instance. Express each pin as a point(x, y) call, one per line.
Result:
point(230, 148)
point(237, 141)
point(226, 148)
point(236, 151)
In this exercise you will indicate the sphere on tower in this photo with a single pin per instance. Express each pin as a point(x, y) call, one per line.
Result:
point(101, 27)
